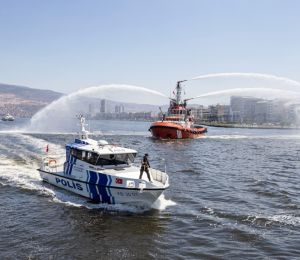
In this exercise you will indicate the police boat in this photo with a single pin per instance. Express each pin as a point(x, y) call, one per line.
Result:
point(103, 172)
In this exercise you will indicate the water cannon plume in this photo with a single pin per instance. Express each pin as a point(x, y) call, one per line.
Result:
point(249, 75)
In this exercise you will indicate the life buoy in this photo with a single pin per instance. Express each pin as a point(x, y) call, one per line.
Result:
point(53, 161)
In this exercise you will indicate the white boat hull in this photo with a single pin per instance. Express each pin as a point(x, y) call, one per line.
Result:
point(103, 193)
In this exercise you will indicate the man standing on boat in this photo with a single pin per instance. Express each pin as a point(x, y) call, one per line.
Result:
point(145, 167)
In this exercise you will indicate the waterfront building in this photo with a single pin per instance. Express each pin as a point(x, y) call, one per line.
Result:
point(262, 112)
point(243, 109)
point(119, 109)
point(223, 113)
point(103, 106)
point(91, 110)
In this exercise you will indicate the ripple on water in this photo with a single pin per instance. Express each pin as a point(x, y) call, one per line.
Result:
point(230, 197)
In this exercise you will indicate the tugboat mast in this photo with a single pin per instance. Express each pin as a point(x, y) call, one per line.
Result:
point(178, 92)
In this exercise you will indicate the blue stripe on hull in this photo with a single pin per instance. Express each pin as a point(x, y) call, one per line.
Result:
point(87, 180)
point(94, 193)
point(68, 165)
point(99, 194)
point(97, 189)
point(93, 177)
point(108, 190)
point(72, 164)
point(104, 195)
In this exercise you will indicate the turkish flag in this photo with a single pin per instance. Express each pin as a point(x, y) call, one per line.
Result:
point(119, 181)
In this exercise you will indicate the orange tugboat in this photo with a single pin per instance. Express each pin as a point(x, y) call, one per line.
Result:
point(178, 123)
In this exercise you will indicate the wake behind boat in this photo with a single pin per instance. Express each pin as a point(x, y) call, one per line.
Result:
point(103, 173)
point(178, 123)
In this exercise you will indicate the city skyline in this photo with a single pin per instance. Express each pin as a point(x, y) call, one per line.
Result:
point(68, 45)
point(242, 110)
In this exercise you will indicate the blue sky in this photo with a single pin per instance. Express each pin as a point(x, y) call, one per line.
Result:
point(65, 45)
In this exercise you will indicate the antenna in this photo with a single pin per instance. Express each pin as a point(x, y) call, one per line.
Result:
point(84, 133)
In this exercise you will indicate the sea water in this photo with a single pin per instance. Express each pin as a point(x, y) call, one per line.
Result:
point(233, 194)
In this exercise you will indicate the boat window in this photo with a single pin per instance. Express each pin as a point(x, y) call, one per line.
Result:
point(91, 158)
point(106, 159)
point(77, 153)
point(115, 159)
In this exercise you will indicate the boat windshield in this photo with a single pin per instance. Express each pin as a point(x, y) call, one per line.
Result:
point(115, 159)
point(103, 159)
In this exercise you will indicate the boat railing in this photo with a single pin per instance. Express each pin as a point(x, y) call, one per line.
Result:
point(159, 176)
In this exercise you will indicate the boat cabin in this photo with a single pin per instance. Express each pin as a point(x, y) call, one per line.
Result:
point(95, 158)
point(99, 154)
point(178, 113)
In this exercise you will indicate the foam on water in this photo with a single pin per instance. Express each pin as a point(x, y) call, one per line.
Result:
point(225, 137)
point(13, 131)
point(272, 137)
point(21, 176)
point(21, 171)
point(285, 219)
point(162, 203)
point(261, 219)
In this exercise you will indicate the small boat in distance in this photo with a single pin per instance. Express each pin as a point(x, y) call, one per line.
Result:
point(178, 123)
point(8, 117)
point(103, 173)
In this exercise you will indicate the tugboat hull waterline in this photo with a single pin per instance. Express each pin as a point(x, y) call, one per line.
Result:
point(103, 173)
point(178, 123)
point(167, 130)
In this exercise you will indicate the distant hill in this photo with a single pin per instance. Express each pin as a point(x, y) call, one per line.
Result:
point(24, 101)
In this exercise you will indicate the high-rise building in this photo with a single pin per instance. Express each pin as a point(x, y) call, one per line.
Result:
point(236, 107)
point(278, 111)
point(91, 109)
point(197, 112)
point(243, 108)
point(119, 109)
point(102, 106)
point(262, 112)
point(223, 113)
point(293, 114)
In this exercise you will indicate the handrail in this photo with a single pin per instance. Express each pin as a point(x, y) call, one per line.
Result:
point(158, 175)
